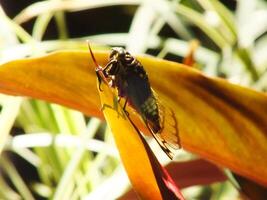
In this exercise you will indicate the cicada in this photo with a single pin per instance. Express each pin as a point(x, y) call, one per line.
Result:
point(125, 73)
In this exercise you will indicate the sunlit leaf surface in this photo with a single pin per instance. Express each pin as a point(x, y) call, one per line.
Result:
point(149, 179)
point(222, 122)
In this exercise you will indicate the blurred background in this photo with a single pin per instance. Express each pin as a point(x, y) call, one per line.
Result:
point(43, 154)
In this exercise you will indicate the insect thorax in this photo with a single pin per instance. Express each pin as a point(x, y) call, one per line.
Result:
point(124, 65)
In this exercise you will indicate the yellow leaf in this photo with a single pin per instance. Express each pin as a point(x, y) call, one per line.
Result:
point(222, 122)
point(143, 169)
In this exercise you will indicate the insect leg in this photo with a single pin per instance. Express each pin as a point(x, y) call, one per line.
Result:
point(111, 62)
point(102, 76)
point(101, 73)
point(119, 99)
point(124, 107)
point(99, 80)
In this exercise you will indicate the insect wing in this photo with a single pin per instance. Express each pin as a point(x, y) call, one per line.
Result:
point(168, 136)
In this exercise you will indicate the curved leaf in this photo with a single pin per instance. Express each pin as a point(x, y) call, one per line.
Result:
point(222, 122)
point(189, 173)
point(65, 78)
point(147, 176)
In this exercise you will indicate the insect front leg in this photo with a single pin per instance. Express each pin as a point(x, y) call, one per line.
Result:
point(111, 62)
point(100, 75)
point(124, 107)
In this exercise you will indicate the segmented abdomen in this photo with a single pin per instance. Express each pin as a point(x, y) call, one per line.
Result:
point(150, 113)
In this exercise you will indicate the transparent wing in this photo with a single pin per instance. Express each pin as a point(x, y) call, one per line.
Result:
point(168, 137)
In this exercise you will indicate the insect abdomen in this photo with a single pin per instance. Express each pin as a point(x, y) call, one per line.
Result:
point(150, 114)
point(141, 96)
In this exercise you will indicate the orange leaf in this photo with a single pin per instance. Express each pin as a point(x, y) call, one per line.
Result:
point(222, 122)
point(189, 173)
point(147, 176)
point(65, 78)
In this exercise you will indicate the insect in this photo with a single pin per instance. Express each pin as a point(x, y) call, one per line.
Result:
point(126, 73)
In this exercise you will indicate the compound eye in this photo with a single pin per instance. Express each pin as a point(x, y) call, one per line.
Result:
point(128, 56)
point(113, 53)
point(121, 53)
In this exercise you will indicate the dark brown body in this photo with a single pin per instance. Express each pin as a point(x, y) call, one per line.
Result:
point(127, 74)
point(129, 77)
